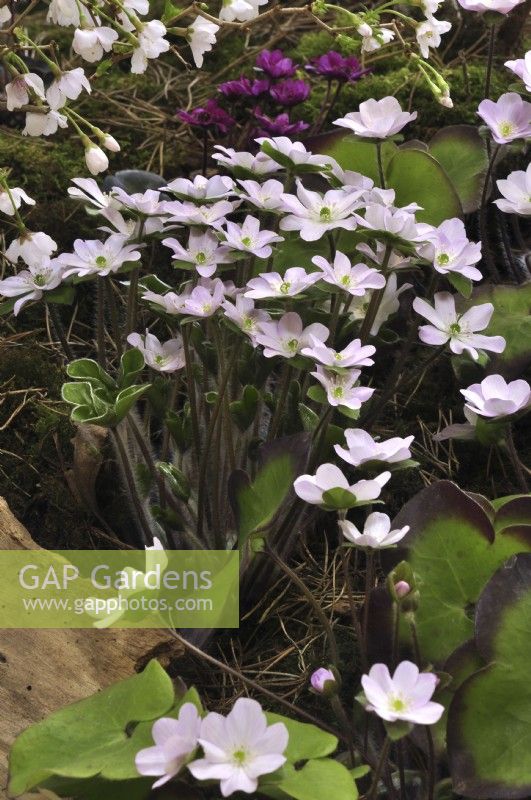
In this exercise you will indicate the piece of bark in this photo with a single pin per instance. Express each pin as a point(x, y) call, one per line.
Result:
point(43, 670)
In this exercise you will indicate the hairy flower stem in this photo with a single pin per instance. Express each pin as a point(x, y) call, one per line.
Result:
point(113, 311)
point(515, 461)
point(59, 330)
point(345, 562)
point(142, 523)
point(379, 769)
point(319, 613)
point(487, 252)
point(283, 390)
point(490, 60)
point(100, 322)
point(346, 725)
point(376, 299)
point(369, 586)
point(379, 159)
point(401, 772)
point(132, 302)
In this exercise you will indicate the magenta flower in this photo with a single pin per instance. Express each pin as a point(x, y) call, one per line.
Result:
point(457, 329)
point(275, 64)
point(244, 87)
point(281, 125)
point(210, 117)
point(508, 118)
point(290, 93)
point(323, 680)
point(334, 66)
point(405, 696)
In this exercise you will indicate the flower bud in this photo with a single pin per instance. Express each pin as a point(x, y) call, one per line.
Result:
point(110, 143)
point(96, 159)
point(402, 588)
point(323, 681)
point(364, 29)
point(446, 100)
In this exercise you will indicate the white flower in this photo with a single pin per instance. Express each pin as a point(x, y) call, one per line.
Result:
point(201, 37)
point(258, 165)
point(352, 279)
point(287, 336)
point(397, 221)
point(203, 251)
point(31, 283)
point(12, 201)
point(92, 257)
point(68, 86)
point(92, 43)
point(389, 303)
point(311, 488)
point(429, 34)
point(449, 250)
point(95, 159)
point(494, 397)
point(110, 143)
point(151, 44)
point(458, 329)
point(266, 196)
point(272, 284)
point(176, 741)
point(294, 154)
point(145, 203)
point(5, 15)
point(313, 214)
point(240, 10)
point(245, 315)
point(353, 355)
point(248, 237)
point(43, 124)
point(32, 248)
point(341, 387)
point(522, 68)
point(377, 119)
point(362, 448)
point(377, 533)
point(373, 39)
point(171, 302)
point(163, 357)
point(516, 189)
point(395, 260)
point(239, 748)
point(63, 12)
point(190, 214)
point(406, 696)
point(201, 189)
point(87, 189)
point(205, 299)
point(18, 91)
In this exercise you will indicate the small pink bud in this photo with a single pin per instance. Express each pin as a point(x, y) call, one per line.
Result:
point(320, 678)
point(96, 159)
point(110, 143)
point(402, 588)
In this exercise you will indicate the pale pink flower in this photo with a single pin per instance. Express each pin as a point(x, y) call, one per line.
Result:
point(516, 189)
point(249, 238)
point(92, 257)
point(449, 250)
point(508, 118)
point(374, 38)
point(151, 44)
point(162, 357)
point(67, 86)
point(272, 284)
point(352, 279)
point(19, 90)
point(201, 189)
point(323, 680)
point(176, 741)
point(522, 68)
point(203, 251)
point(405, 696)
point(239, 748)
point(376, 534)
point(311, 488)
point(205, 299)
point(341, 387)
point(266, 196)
point(377, 119)
point(12, 201)
point(362, 448)
point(245, 163)
point(43, 124)
point(494, 397)
point(294, 155)
point(92, 43)
point(501, 6)
point(287, 336)
point(313, 214)
point(191, 214)
point(429, 32)
point(30, 284)
point(95, 159)
point(457, 329)
point(353, 355)
point(244, 314)
point(32, 247)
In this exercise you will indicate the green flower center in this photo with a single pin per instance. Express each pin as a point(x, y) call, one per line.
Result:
point(207, 308)
point(240, 757)
point(455, 328)
point(101, 261)
point(345, 280)
point(325, 214)
point(247, 241)
point(443, 258)
point(338, 392)
point(338, 357)
point(247, 324)
point(507, 128)
point(397, 704)
point(293, 345)
point(201, 258)
point(39, 280)
point(285, 287)
point(159, 359)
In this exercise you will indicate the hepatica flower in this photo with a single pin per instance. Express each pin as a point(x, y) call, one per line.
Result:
point(352, 279)
point(377, 119)
point(244, 314)
point(316, 489)
point(516, 191)
point(281, 125)
point(460, 330)
point(428, 33)
point(162, 357)
point(376, 534)
point(33, 247)
point(176, 741)
point(323, 681)
point(494, 397)
point(201, 189)
point(203, 251)
point(92, 43)
point(266, 196)
point(275, 64)
point(508, 118)
point(244, 87)
point(374, 38)
point(362, 448)
point(522, 68)
point(204, 300)
point(31, 283)
point(334, 66)
point(294, 155)
point(239, 748)
point(11, 202)
point(248, 237)
point(92, 257)
point(201, 37)
point(313, 214)
point(341, 387)
point(240, 10)
point(501, 6)
point(287, 336)
point(210, 117)
point(449, 250)
point(290, 92)
point(405, 696)
point(353, 355)
point(245, 163)
point(272, 284)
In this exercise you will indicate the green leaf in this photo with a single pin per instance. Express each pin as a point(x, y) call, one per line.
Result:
point(317, 394)
point(126, 399)
point(256, 504)
point(244, 411)
point(176, 478)
point(461, 151)
point(353, 153)
point(417, 177)
point(97, 736)
point(78, 394)
point(489, 721)
point(64, 295)
point(305, 740)
point(453, 551)
point(131, 363)
point(86, 369)
point(461, 283)
point(309, 418)
point(317, 779)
